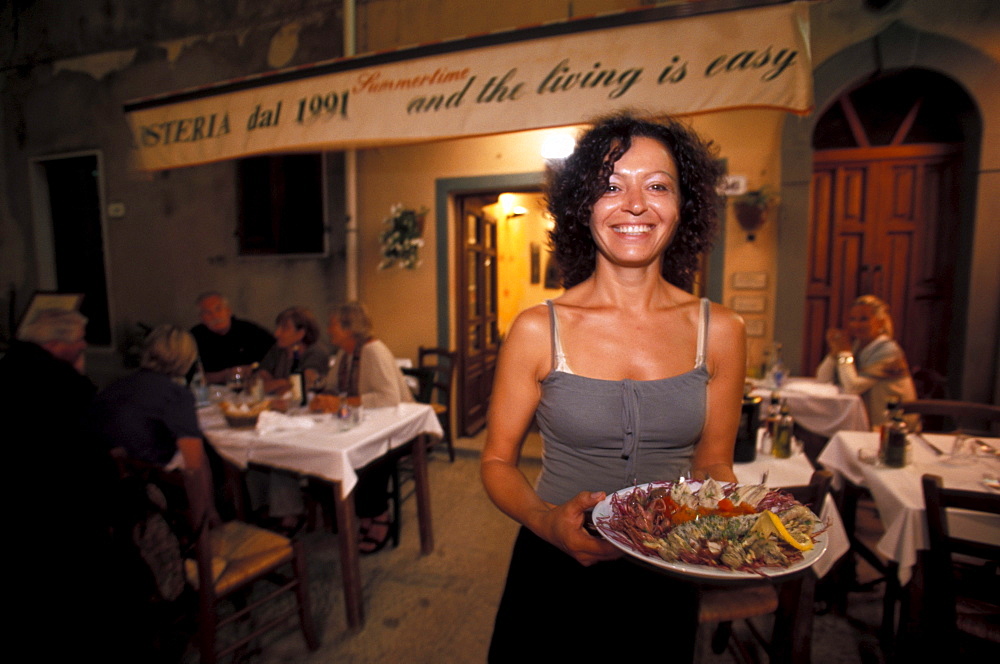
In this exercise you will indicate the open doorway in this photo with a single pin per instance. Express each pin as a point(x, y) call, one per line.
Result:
point(70, 237)
point(502, 266)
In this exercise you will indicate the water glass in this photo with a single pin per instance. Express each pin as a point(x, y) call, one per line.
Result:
point(963, 450)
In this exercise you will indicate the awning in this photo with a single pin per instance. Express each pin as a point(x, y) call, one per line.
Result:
point(531, 78)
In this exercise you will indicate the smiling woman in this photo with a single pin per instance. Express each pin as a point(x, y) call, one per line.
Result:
point(630, 379)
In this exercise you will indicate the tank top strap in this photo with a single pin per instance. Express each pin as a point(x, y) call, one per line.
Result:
point(558, 356)
point(702, 334)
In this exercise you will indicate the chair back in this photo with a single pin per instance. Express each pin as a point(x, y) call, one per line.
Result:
point(937, 500)
point(813, 494)
point(443, 363)
point(425, 382)
point(201, 505)
point(944, 597)
point(930, 384)
point(958, 416)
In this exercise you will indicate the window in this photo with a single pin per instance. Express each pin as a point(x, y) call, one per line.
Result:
point(281, 205)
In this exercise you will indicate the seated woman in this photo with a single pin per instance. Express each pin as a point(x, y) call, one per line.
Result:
point(365, 371)
point(297, 350)
point(868, 361)
point(145, 413)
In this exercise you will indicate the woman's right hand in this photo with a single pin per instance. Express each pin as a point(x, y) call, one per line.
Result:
point(563, 527)
point(838, 341)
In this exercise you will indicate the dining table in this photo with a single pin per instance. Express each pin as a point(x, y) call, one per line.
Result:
point(898, 496)
point(797, 470)
point(323, 446)
point(822, 408)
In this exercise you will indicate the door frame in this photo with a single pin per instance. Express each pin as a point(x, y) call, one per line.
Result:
point(41, 222)
point(446, 189)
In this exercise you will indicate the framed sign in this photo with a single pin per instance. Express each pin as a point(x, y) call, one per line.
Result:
point(42, 300)
point(750, 280)
point(755, 327)
point(749, 304)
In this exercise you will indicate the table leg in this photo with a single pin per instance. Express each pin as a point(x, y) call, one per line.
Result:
point(347, 541)
point(794, 620)
point(423, 491)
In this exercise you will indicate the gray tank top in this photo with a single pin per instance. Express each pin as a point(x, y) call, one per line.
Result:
point(604, 435)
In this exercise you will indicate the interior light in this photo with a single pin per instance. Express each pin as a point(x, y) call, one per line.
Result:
point(506, 202)
point(558, 146)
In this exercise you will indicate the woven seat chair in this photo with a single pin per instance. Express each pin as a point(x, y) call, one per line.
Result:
point(231, 557)
point(960, 583)
point(443, 363)
point(791, 600)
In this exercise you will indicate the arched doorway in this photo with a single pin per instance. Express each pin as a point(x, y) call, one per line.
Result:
point(885, 210)
point(974, 350)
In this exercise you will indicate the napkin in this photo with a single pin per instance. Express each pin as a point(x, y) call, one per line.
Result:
point(812, 388)
point(271, 421)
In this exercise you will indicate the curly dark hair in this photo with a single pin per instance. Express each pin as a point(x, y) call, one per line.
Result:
point(302, 319)
point(575, 185)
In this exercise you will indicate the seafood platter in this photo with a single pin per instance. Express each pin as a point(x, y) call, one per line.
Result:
point(713, 530)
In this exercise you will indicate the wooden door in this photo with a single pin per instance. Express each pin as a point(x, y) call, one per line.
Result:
point(478, 332)
point(884, 222)
point(885, 210)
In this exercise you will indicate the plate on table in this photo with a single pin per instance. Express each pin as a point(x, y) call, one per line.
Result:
point(603, 511)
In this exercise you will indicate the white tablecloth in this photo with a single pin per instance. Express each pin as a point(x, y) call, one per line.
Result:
point(795, 471)
point(820, 407)
point(899, 495)
point(322, 450)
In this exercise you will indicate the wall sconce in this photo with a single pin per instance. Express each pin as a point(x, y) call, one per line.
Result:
point(753, 208)
point(510, 210)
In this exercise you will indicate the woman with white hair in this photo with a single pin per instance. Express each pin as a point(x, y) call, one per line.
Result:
point(145, 413)
point(365, 371)
point(866, 360)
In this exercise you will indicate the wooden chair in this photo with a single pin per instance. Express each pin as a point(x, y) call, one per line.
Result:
point(791, 600)
point(443, 363)
point(960, 596)
point(930, 384)
point(230, 557)
point(949, 416)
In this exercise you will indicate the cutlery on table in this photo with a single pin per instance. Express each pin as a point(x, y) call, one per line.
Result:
point(928, 443)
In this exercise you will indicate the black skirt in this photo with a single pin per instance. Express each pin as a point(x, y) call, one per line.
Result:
point(552, 606)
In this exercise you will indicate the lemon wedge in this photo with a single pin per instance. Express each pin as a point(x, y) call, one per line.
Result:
point(768, 523)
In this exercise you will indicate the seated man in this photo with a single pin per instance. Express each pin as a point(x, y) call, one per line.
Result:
point(59, 483)
point(42, 377)
point(224, 341)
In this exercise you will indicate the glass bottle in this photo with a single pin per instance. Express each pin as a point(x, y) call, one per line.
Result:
point(296, 378)
point(771, 419)
point(782, 446)
point(776, 371)
point(199, 386)
point(894, 440)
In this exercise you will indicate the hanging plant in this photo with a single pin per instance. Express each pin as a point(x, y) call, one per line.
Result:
point(752, 209)
point(401, 239)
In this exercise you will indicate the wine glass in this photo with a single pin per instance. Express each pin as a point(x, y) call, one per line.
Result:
point(237, 381)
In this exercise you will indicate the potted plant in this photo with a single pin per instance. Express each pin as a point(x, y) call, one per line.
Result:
point(753, 208)
point(401, 240)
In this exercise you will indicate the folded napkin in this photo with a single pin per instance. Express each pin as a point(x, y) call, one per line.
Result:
point(271, 421)
point(812, 388)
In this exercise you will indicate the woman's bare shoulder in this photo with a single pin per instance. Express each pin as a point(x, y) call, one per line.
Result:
point(724, 320)
point(527, 346)
point(530, 324)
